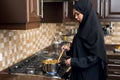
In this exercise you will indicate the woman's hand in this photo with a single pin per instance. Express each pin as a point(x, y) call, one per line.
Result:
point(68, 62)
point(65, 47)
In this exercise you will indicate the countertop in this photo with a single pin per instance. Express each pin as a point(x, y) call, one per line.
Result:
point(5, 76)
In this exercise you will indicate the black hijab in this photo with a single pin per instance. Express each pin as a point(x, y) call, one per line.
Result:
point(89, 31)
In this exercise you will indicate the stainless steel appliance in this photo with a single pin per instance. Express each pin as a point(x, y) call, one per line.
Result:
point(33, 65)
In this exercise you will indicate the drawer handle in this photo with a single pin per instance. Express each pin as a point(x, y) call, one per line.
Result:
point(117, 62)
point(117, 73)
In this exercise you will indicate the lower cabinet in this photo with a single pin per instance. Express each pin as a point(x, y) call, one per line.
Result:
point(114, 66)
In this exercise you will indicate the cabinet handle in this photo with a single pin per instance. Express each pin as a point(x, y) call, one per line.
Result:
point(102, 8)
point(41, 9)
point(106, 7)
point(66, 8)
point(116, 62)
point(118, 73)
point(98, 7)
point(38, 12)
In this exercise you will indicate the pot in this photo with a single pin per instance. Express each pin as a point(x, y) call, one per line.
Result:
point(50, 66)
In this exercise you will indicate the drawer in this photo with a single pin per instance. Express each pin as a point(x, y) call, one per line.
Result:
point(113, 66)
point(114, 61)
point(114, 71)
point(115, 56)
point(113, 77)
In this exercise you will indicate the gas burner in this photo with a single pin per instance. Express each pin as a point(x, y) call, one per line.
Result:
point(52, 74)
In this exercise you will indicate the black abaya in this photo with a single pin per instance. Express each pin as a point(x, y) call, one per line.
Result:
point(88, 55)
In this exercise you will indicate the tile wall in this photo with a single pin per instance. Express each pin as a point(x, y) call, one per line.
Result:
point(114, 38)
point(16, 45)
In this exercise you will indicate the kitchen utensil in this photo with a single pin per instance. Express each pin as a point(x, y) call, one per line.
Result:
point(66, 75)
point(60, 56)
point(50, 66)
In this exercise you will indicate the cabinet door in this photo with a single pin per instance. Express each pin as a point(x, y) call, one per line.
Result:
point(70, 16)
point(99, 7)
point(33, 10)
point(12, 11)
point(19, 14)
point(97, 4)
point(112, 9)
point(52, 12)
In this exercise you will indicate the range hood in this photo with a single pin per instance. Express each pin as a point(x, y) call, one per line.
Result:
point(54, 0)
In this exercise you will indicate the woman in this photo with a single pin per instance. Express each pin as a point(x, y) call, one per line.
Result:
point(88, 56)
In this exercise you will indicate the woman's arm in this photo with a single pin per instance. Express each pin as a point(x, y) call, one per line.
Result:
point(84, 62)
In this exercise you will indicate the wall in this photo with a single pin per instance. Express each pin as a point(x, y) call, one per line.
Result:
point(16, 45)
point(114, 38)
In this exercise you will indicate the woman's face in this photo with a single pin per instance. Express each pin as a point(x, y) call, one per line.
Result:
point(78, 16)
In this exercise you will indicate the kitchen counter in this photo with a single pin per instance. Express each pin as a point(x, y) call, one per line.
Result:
point(5, 76)
point(110, 52)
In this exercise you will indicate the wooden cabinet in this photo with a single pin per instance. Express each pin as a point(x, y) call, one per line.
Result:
point(98, 5)
point(112, 9)
point(19, 14)
point(70, 16)
point(52, 12)
point(107, 10)
point(114, 66)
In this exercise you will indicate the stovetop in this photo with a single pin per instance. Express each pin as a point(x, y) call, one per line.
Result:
point(33, 64)
point(21, 67)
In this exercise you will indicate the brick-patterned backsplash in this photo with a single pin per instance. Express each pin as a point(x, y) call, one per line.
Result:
point(114, 38)
point(16, 45)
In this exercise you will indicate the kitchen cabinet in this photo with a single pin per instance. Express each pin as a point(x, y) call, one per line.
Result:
point(19, 14)
point(112, 10)
point(98, 7)
point(97, 4)
point(69, 17)
point(52, 12)
point(107, 10)
point(114, 66)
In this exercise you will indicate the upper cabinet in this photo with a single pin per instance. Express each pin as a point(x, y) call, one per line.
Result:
point(70, 16)
point(112, 9)
point(52, 12)
point(19, 14)
point(98, 6)
point(107, 10)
